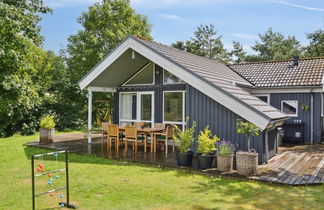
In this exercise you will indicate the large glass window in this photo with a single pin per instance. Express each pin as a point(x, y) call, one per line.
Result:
point(143, 76)
point(169, 78)
point(136, 107)
point(290, 107)
point(128, 106)
point(173, 107)
point(146, 107)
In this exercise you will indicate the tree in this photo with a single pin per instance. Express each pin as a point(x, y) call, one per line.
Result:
point(105, 25)
point(248, 129)
point(205, 43)
point(22, 63)
point(316, 45)
point(237, 54)
point(275, 46)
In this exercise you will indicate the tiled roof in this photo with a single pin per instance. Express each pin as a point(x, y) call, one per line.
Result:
point(203, 66)
point(218, 74)
point(268, 74)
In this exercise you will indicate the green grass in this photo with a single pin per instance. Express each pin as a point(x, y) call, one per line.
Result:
point(99, 183)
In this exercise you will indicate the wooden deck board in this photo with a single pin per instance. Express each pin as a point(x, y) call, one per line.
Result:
point(298, 165)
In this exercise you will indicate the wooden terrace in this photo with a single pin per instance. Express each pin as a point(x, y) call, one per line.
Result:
point(295, 165)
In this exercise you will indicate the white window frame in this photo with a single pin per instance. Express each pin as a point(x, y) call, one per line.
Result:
point(169, 83)
point(183, 107)
point(264, 94)
point(290, 115)
point(138, 107)
point(142, 69)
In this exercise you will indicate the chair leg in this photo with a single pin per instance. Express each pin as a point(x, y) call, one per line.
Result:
point(173, 146)
point(166, 146)
point(117, 144)
point(126, 145)
point(145, 144)
point(135, 145)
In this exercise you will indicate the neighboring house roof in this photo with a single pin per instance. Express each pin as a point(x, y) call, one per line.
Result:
point(274, 74)
point(212, 78)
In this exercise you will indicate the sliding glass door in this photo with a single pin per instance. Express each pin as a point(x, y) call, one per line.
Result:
point(136, 107)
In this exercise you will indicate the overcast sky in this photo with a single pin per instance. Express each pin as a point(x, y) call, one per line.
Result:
point(172, 20)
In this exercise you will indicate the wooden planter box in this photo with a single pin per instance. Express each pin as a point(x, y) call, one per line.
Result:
point(46, 136)
point(225, 163)
point(246, 163)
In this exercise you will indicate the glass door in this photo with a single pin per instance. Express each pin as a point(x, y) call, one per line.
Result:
point(136, 107)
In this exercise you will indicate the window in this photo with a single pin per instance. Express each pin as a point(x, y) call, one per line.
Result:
point(173, 107)
point(264, 97)
point(136, 107)
point(145, 76)
point(169, 78)
point(290, 107)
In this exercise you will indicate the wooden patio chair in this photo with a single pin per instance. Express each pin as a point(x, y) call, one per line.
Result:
point(164, 137)
point(159, 125)
point(139, 125)
point(113, 134)
point(104, 130)
point(132, 135)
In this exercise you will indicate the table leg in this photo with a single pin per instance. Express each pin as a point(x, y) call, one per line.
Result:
point(152, 141)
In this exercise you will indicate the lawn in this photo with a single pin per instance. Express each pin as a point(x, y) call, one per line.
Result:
point(99, 183)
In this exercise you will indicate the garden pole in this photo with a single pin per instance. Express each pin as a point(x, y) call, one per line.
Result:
point(67, 177)
point(33, 181)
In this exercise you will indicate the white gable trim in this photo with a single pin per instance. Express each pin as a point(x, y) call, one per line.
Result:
point(221, 96)
point(108, 60)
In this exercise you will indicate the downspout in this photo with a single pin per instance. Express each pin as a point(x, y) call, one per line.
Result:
point(266, 145)
point(312, 116)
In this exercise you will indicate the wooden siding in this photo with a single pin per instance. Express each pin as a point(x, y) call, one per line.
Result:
point(205, 111)
point(304, 116)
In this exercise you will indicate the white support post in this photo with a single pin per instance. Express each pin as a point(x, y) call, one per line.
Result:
point(89, 116)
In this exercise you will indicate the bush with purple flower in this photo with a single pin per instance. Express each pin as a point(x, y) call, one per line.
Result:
point(225, 148)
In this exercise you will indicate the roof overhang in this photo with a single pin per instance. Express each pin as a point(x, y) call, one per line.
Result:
point(211, 90)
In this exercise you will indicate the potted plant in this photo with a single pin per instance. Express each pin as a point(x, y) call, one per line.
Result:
point(47, 128)
point(225, 153)
point(206, 147)
point(247, 162)
point(184, 139)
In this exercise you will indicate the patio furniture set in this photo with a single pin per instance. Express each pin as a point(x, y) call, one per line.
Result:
point(137, 134)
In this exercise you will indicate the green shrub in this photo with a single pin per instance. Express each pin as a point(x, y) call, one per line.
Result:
point(248, 129)
point(225, 148)
point(185, 138)
point(47, 122)
point(206, 142)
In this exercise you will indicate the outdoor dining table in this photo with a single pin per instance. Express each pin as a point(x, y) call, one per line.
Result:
point(148, 132)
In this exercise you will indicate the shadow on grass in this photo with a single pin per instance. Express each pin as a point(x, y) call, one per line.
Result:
point(150, 161)
point(253, 195)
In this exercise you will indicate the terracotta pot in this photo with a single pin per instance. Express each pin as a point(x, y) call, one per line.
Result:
point(46, 136)
point(246, 163)
point(224, 163)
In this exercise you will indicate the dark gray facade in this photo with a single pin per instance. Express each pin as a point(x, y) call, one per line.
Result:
point(202, 109)
point(303, 115)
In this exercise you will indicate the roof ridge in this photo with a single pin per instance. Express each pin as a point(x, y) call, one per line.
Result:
point(274, 61)
point(173, 48)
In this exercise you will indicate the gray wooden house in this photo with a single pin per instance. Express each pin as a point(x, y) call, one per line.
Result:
point(293, 86)
point(155, 83)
